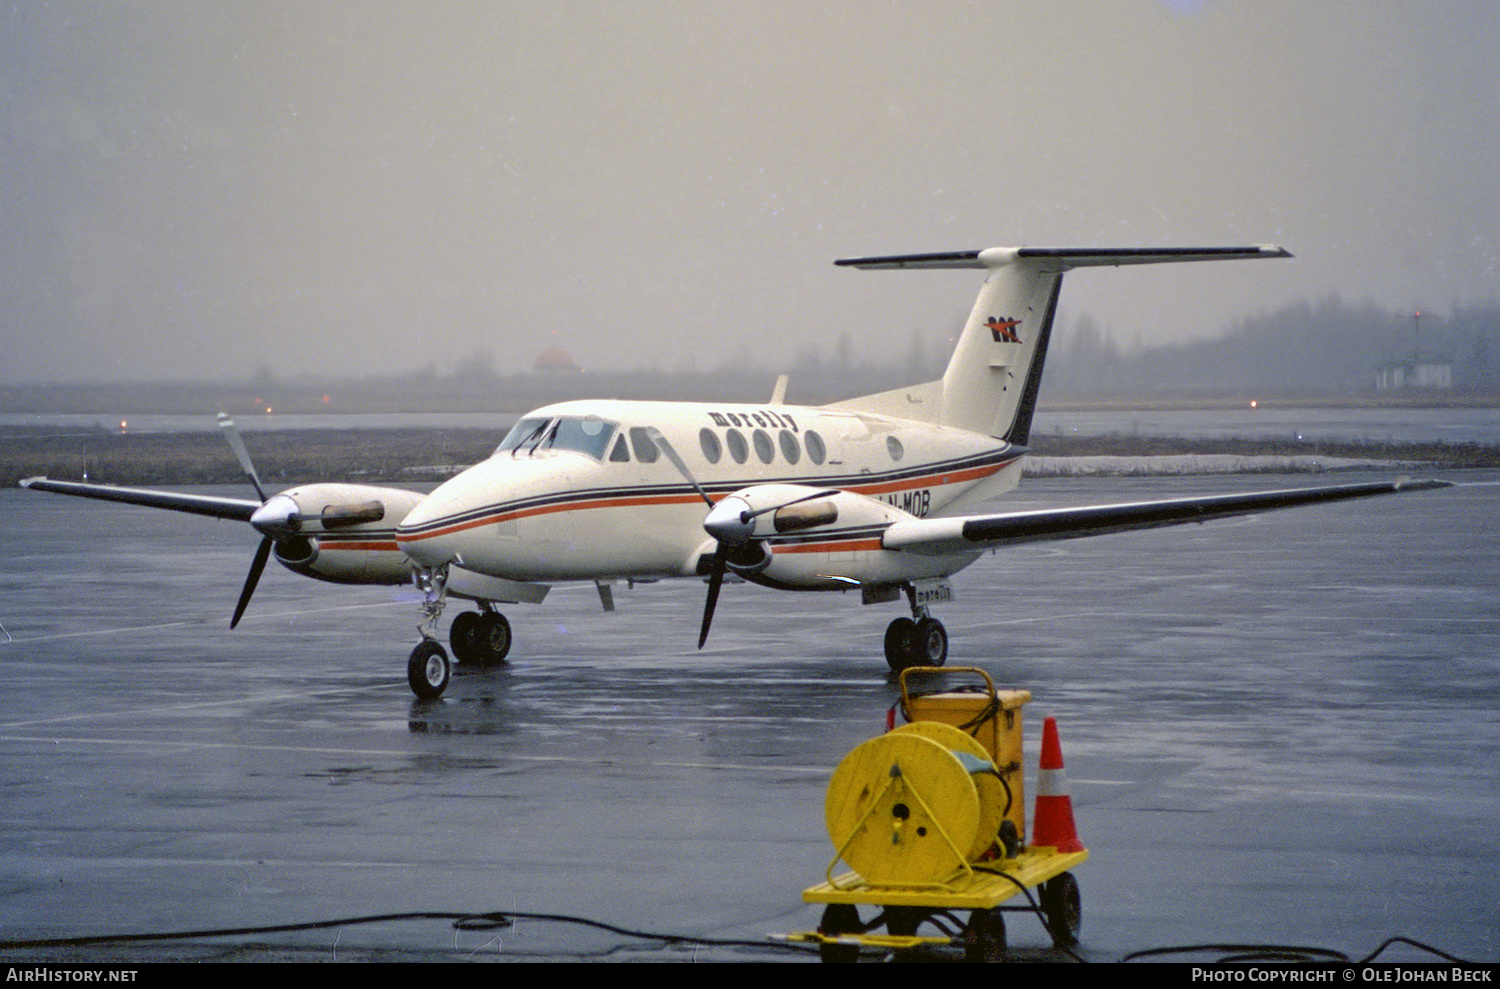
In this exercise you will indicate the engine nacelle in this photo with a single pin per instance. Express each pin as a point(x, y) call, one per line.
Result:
point(341, 533)
point(822, 539)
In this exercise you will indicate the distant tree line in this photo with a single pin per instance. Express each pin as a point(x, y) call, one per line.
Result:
point(1324, 347)
point(1307, 349)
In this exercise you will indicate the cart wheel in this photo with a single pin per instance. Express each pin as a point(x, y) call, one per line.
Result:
point(1063, 908)
point(840, 918)
point(903, 921)
point(984, 940)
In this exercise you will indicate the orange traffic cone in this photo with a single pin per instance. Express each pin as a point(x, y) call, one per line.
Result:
point(1052, 824)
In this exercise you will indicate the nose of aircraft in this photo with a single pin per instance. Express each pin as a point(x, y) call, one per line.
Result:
point(430, 533)
point(446, 521)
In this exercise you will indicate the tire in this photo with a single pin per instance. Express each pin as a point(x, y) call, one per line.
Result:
point(1063, 908)
point(984, 940)
point(898, 643)
point(840, 918)
point(427, 670)
point(904, 921)
point(463, 637)
point(492, 638)
point(929, 643)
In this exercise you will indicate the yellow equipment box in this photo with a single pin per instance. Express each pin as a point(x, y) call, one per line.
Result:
point(992, 717)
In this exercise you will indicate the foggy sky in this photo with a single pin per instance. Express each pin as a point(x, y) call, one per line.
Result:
point(198, 190)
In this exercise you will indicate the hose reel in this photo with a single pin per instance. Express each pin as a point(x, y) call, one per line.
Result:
point(915, 805)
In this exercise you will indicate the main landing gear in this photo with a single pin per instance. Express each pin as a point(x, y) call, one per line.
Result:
point(478, 637)
point(920, 640)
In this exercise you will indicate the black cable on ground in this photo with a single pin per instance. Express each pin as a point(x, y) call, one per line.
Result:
point(498, 920)
point(1239, 953)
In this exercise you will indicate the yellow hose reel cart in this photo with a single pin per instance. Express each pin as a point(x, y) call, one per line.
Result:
point(930, 818)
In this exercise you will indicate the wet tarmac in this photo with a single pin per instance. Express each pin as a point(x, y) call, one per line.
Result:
point(1279, 730)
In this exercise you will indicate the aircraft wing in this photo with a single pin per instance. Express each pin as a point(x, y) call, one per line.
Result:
point(219, 508)
point(950, 535)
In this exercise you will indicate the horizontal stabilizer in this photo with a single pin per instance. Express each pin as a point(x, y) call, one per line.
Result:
point(949, 535)
point(1066, 257)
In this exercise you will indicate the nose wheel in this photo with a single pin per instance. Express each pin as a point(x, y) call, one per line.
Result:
point(428, 670)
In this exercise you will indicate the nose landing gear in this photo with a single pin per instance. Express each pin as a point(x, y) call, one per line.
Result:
point(479, 637)
point(428, 669)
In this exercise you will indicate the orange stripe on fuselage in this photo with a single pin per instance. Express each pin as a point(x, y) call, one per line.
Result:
point(942, 478)
point(616, 502)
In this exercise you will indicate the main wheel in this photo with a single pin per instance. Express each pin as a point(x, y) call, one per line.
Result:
point(463, 636)
point(984, 939)
point(929, 643)
point(1063, 908)
point(840, 918)
point(492, 638)
point(427, 670)
point(898, 642)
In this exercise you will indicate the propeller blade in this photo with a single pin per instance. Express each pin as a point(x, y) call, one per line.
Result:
point(715, 581)
point(232, 434)
point(262, 553)
point(671, 454)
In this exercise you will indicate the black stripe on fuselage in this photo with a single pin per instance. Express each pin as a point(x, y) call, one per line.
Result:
point(999, 458)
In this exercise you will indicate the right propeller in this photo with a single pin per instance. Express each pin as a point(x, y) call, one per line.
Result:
point(731, 522)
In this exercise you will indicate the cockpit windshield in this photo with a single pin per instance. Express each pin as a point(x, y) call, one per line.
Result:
point(588, 435)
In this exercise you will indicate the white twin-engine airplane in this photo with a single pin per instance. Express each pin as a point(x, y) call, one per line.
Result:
point(864, 494)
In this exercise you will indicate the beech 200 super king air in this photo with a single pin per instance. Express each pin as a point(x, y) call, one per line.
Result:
point(866, 494)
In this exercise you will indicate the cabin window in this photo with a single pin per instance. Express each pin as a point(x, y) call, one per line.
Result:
point(894, 448)
point(621, 453)
point(709, 441)
point(790, 449)
point(763, 448)
point(816, 451)
point(645, 448)
point(738, 448)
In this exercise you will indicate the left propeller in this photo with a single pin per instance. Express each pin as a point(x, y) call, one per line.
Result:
point(279, 517)
point(263, 551)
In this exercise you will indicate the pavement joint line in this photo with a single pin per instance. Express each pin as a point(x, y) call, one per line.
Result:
point(197, 623)
point(403, 753)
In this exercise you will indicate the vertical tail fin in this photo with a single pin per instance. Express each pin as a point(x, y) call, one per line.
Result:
point(991, 383)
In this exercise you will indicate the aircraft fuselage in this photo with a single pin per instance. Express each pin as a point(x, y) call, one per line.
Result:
point(578, 490)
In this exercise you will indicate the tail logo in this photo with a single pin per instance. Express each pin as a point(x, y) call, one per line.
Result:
point(1004, 329)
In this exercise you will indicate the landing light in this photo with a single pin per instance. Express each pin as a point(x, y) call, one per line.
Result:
point(1254, 403)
